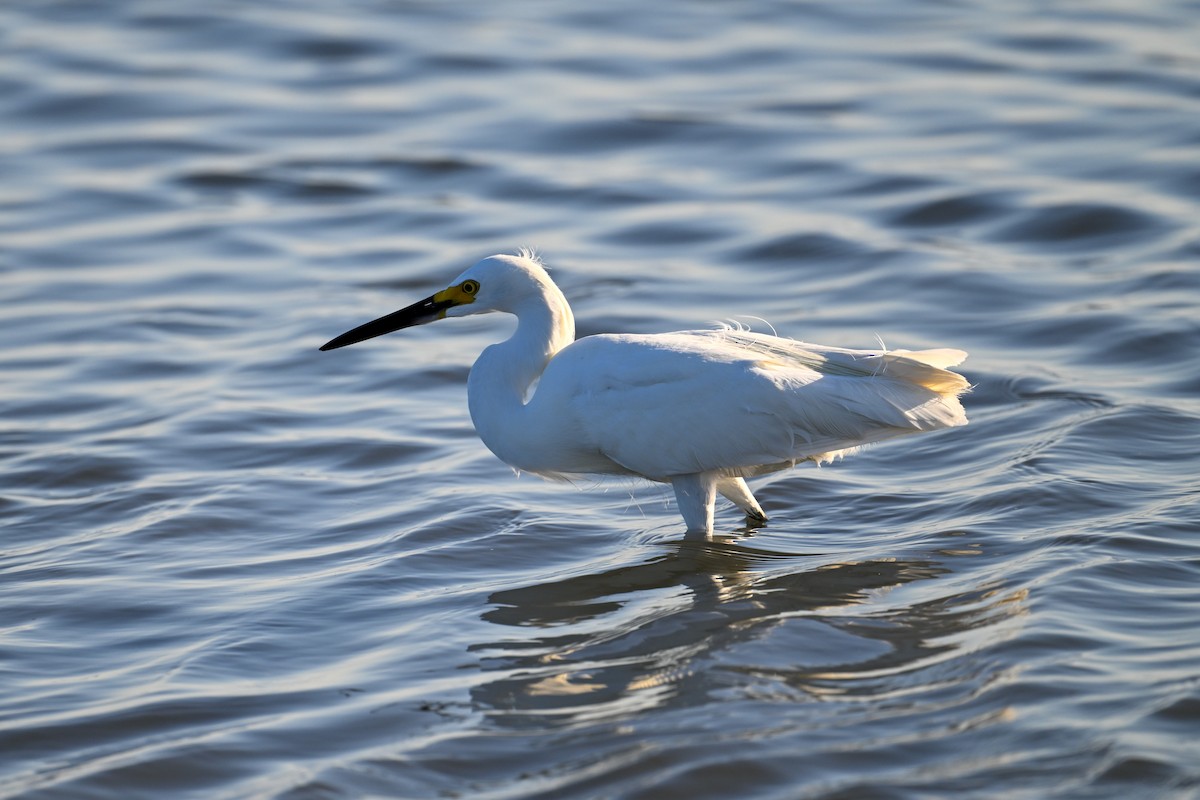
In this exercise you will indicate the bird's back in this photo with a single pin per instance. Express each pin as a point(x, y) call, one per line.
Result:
point(739, 402)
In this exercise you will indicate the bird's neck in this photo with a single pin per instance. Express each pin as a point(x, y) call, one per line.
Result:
point(504, 376)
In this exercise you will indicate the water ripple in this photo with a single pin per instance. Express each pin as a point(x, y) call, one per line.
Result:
point(236, 567)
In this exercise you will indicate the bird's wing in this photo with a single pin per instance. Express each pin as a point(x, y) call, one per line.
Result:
point(695, 401)
point(928, 368)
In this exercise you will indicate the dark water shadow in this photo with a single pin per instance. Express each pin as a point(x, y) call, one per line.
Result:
point(708, 618)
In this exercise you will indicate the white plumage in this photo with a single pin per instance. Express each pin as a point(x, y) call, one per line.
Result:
point(702, 410)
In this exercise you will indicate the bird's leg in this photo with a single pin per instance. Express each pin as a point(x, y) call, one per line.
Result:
point(737, 492)
point(696, 494)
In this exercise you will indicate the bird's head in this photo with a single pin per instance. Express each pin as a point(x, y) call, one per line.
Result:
point(496, 283)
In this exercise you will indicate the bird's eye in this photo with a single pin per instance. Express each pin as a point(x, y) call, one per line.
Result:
point(470, 287)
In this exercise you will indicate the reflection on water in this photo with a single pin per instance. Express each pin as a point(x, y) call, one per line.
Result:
point(684, 625)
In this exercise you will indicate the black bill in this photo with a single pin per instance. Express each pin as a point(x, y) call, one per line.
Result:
point(428, 310)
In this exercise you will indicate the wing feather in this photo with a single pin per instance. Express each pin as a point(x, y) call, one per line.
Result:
point(744, 403)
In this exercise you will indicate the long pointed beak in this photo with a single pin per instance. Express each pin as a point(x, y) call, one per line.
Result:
point(430, 309)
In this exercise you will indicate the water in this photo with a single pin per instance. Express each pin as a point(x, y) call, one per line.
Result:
point(234, 567)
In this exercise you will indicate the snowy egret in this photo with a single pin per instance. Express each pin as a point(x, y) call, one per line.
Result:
point(702, 410)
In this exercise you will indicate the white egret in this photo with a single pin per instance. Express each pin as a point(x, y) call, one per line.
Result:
point(702, 410)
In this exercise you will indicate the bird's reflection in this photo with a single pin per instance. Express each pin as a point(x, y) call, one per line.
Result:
point(685, 624)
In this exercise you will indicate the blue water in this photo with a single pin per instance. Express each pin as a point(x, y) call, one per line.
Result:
point(234, 567)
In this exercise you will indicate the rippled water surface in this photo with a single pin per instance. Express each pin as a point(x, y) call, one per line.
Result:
point(234, 567)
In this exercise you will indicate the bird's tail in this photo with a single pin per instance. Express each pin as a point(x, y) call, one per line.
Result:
point(928, 368)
